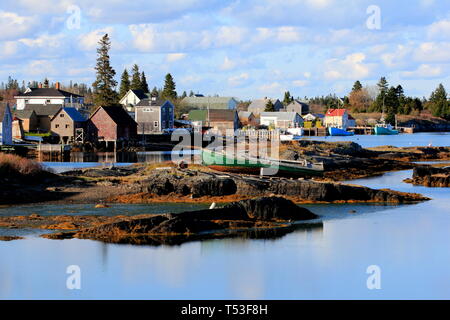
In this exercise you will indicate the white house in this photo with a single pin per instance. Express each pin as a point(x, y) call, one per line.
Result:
point(154, 115)
point(132, 98)
point(337, 118)
point(6, 121)
point(49, 96)
point(281, 120)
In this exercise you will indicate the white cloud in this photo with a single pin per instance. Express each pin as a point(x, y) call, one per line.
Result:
point(423, 71)
point(172, 57)
point(13, 26)
point(439, 29)
point(228, 64)
point(239, 80)
point(300, 83)
point(89, 41)
point(350, 68)
point(433, 52)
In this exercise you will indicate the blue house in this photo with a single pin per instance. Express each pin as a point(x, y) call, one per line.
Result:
point(5, 124)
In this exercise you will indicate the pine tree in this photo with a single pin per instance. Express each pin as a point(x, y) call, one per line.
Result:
point(125, 83)
point(287, 98)
point(184, 95)
point(391, 105)
point(46, 83)
point(105, 84)
point(357, 86)
point(136, 78)
point(144, 84)
point(380, 100)
point(191, 93)
point(155, 92)
point(270, 107)
point(169, 92)
point(439, 103)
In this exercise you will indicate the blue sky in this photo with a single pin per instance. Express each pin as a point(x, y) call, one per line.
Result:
point(243, 48)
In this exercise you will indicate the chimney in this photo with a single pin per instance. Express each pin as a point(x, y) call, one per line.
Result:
point(57, 85)
point(40, 85)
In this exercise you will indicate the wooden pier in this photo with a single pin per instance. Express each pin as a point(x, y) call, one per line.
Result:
point(317, 132)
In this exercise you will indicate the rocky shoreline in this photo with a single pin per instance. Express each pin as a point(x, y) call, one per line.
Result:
point(167, 183)
point(267, 217)
point(430, 177)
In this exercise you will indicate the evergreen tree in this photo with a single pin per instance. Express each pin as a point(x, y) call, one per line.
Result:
point(144, 84)
point(391, 105)
point(191, 93)
point(270, 107)
point(357, 86)
point(439, 103)
point(125, 84)
point(184, 95)
point(169, 92)
point(46, 83)
point(136, 78)
point(380, 100)
point(105, 84)
point(155, 92)
point(287, 98)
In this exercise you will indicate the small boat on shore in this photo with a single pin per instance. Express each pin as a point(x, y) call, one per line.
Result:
point(332, 131)
point(245, 164)
point(384, 129)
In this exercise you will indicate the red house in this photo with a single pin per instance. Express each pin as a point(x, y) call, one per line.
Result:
point(111, 124)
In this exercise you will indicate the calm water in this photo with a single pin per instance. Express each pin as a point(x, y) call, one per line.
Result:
point(437, 139)
point(410, 243)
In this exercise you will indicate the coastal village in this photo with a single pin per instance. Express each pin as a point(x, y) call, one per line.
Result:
point(51, 117)
point(256, 152)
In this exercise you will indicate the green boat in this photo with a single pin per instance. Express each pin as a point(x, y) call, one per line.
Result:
point(245, 164)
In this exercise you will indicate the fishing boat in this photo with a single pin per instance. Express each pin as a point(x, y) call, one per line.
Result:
point(339, 132)
point(384, 129)
point(246, 164)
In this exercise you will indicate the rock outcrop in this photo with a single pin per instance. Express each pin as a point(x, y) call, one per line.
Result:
point(431, 177)
point(255, 214)
point(199, 184)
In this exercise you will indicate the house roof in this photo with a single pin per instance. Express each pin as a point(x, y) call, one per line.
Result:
point(212, 115)
point(261, 103)
point(23, 114)
point(149, 102)
point(73, 113)
point(335, 112)
point(140, 94)
point(118, 115)
point(208, 102)
point(245, 114)
point(3, 107)
point(298, 102)
point(198, 115)
point(48, 92)
point(222, 115)
point(44, 109)
point(288, 116)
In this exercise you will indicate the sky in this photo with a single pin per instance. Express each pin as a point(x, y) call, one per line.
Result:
point(243, 48)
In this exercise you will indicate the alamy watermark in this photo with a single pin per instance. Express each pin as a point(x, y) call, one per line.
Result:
point(373, 22)
point(73, 281)
point(374, 280)
point(73, 22)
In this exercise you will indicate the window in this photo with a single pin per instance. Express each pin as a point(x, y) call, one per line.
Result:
point(155, 124)
point(56, 125)
point(61, 115)
point(47, 101)
point(26, 101)
point(67, 126)
point(147, 110)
